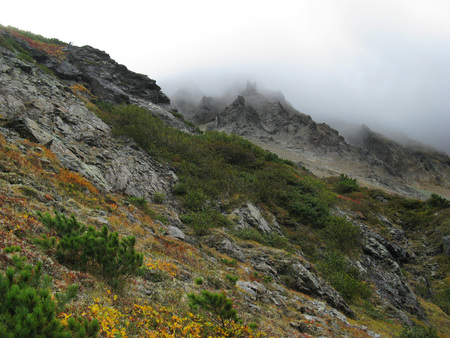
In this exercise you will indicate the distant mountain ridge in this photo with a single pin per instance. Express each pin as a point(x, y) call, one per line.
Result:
point(267, 119)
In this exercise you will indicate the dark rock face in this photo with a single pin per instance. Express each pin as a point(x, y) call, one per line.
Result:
point(272, 123)
point(410, 163)
point(107, 79)
point(380, 262)
point(104, 77)
point(27, 129)
point(238, 119)
point(207, 109)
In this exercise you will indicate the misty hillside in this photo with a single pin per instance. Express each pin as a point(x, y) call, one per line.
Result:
point(120, 217)
point(266, 118)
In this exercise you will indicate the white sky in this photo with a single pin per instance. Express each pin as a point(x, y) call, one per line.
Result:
point(384, 63)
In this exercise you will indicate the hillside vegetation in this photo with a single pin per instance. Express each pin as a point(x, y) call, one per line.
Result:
point(77, 260)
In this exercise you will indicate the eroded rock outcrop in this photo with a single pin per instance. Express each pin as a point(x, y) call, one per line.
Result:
point(106, 78)
point(293, 272)
point(43, 109)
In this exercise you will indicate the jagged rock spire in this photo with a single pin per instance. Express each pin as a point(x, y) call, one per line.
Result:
point(250, 89)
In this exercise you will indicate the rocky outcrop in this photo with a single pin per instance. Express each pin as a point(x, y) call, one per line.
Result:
point(384, 271)
point(412, 163)
point(293, 272)
point(207, 109)
point(108, 80)
point(239, 119)
point(43, 109)
point(250, 216)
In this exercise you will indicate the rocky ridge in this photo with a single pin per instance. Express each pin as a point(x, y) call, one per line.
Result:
point(43, 109)
point(52, 112)
point(267, 119)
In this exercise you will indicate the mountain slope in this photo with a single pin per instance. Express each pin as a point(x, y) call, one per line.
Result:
point(296, 255)
point(268, 120)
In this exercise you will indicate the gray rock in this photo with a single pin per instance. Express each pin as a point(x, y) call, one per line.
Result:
point(250, 216)
point(247, 287)
point(28, 129)
point(305, 281)
point(232, 250)
point(297, 277)
point(446, 245)
point(381, 265)
point(175, 232)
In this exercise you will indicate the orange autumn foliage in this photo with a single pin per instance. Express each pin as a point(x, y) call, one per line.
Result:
point(49, 48)
point(75, 180)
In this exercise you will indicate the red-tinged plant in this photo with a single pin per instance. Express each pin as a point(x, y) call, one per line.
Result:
point(76, 181)
point(51, 49)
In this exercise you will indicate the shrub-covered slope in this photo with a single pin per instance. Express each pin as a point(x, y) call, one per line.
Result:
point(176, 233)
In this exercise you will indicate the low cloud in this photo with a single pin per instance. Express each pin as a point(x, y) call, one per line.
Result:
point(379, 63)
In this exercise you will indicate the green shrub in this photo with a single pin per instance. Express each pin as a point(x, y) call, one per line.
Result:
point(249, 234)
point(411, 204)
point(198, 281)
point(438, 202)
point(27, 308)
point(195, 200)
point(37, 37)
point(159, 197)
point(163, 219)
point(273, 239)
point(180, 189)
point(307, 209)
point(253, 325)
point(372, 311)
point(344, 277)
point(177, 115)
point(214, 167)
point(230, 262)
point(139, 202)
point(46, 243)
point(277, 241)
point(216, 305)
point(232, 279)
point(10, 249)
point(203, 221)
point(267, 278)
point(192, 125)
point(442, 299)
point(261, 277)
point(345, 184)
point(341, 234)
point(419, 332)
point(100, 252)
